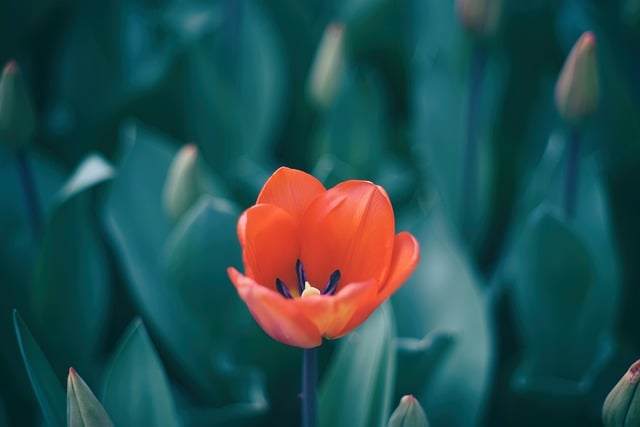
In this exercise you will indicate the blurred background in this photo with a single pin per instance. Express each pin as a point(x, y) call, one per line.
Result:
point(115, 236)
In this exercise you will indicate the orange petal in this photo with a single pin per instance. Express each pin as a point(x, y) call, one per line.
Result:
point(271, 245)
point(331, 314)
point(406, 254)
point(277, 316)
point(292, 190)
point(350, 228)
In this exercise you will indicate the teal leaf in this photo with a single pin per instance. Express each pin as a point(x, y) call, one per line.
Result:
point(224, 98)
point(419, 359)
point(357, 388)
point(70, 294)
point(136, 387)
point(83, 409)
point(555, 270)
point(138, 228)
point(444, 294)
point(46, 386)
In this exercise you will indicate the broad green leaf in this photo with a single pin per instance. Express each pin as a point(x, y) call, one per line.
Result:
point(138, 228)
point(136, 387)
point(419, 359)
point(354, 130)
point(556, 271)
point(70, 293)
point(46, 385)
point(358, 385)
point(177, 277)
point(229, 108)
point(444, 293)
point(440, 102)
point(83, 409)
point(18, 252)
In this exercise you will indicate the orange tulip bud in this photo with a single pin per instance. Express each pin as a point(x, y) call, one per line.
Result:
point(17, 118)
point(318, 262)
point(480, 17)
point(577, 90)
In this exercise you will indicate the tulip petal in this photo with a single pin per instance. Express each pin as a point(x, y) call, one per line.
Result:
point(331, 313)
point(349, 228)
point(406, 254)
point(276, 315)
point(292, 190)
point(270, 245)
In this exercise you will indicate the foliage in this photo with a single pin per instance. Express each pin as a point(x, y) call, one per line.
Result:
point(518, 314)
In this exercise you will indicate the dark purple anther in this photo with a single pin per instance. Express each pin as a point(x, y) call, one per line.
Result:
point(331, 287)
point(301, 276)
point(282, 288)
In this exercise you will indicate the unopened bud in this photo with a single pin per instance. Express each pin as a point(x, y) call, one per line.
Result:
point(577, 89)
point(17, 119)
point(480, 17)
point(409, 413)
point(181, 188)
point(328, 66)
point(83, 409)
point(622, 406)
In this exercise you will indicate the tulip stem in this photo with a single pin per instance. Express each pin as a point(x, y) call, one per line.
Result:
point(470, 175)
point(309, 387)
point(571, 173)
point(27, 180)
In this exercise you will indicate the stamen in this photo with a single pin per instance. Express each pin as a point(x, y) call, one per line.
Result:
point(283, 289)
point(331, 287)
point(302, 279)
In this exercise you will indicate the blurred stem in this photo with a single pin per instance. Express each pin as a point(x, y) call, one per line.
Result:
point(27, 180)
point(470, 175)
point(309, 387)
point(571, 176)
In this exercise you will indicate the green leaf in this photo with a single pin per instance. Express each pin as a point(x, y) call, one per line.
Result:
point(72, 271)
point(440, 106)
point(83, 409)
point(419, 359)
point(136, 388)
point(358, 386)
point(224, 98)
point(138, 228)
point(556, 271)
point(46, 385)
point(444, 294)
point(354, 130)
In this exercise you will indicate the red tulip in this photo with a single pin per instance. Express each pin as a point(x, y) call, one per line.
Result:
point(318, 262)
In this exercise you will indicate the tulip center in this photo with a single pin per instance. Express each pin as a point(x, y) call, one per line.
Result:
point(305, 288)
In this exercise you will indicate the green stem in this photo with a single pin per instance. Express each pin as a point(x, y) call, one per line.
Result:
point(309, 387)
point(571, 176)
point(470, 165)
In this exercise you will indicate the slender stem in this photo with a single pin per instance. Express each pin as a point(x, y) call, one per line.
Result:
point(571, 177)
point(309, 387)
point(27, 180)
point(470, 175)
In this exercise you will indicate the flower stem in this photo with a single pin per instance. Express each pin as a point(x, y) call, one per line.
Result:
point(27, 180)
point(309, 387)
point(571, 173)
point(470, 176)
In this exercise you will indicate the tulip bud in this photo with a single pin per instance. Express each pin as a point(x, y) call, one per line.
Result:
point(181, 188)
point(577, 89)
point(328, 66)
point(480, 17)
point(409, 413)
point(17, 119)
point(622, 406)
point(83, 409)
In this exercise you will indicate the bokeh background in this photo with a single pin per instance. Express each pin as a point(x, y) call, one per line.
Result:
point(518, 314)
